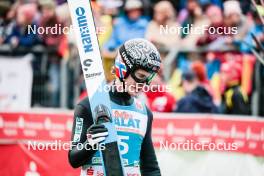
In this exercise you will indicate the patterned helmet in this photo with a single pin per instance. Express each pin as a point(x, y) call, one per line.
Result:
point(136, 54)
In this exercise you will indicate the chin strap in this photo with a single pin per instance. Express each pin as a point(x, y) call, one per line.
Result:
point(124, 86)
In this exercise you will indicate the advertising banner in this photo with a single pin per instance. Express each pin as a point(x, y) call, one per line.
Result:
point(16, 77)
point(37, 143)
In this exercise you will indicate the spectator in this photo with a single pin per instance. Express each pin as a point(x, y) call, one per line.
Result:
point(192, 18)
point(197, 100)
point(4, 6)
point(234, 18)
point(59, 2)
point(13, 10)
point(52, 40)
point(48, 20)
point(15, 5)
point(103, 19)
point(20, 35)
point(164, 16)
point(199, 70)
point(257, 29)
point(203, 2)
point(110, 7)
point(213, 68)
point(215, 16)
point(103, 22)
point(235, 101)
point(131, 25)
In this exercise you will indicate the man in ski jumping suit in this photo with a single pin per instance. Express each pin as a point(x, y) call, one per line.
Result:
point(137, 62)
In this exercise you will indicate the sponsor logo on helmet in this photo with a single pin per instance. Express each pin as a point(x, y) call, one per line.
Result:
point(128, 62)
point(154, 62)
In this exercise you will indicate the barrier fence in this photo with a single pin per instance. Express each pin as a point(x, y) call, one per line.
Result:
point(65, 70)
point(67, 75)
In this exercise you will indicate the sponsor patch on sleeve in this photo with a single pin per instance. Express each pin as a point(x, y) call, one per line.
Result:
point(78, 129)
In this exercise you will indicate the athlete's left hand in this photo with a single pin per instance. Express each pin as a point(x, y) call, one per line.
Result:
point(96, 134)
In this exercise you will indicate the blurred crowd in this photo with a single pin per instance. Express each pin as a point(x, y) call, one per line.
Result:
point(16, 20)
point(214, 71)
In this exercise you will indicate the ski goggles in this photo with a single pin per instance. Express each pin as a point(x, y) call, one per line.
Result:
point(146, 80)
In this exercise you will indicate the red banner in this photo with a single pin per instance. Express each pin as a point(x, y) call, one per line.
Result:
point(36, 126)
point(18, 160)
point(19, 130)
point(24, 138)
point(222, 133)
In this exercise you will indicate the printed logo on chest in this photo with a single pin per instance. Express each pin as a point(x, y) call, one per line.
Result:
point(130, 121)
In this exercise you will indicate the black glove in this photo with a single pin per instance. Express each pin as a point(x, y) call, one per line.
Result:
point(96, 134)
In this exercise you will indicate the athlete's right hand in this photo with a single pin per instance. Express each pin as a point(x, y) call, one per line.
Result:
point(96, 134)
